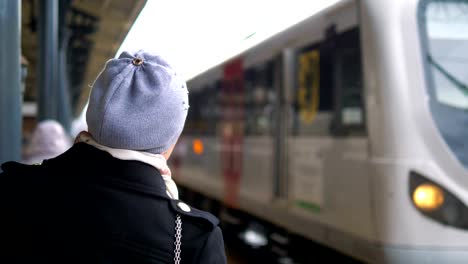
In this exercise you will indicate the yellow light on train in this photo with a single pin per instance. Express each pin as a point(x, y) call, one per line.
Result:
point(197, 146)
point(428, 197)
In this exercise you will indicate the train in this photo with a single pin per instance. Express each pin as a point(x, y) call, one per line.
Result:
point(348, 129)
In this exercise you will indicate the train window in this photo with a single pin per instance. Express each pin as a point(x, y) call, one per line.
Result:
point(249, 82)
point(209, 110)
point(446, 24)
point(444, 42)
point(259, 101)
point(194, 116)
point(204, 111)
point(349, 116)
point(328, 90)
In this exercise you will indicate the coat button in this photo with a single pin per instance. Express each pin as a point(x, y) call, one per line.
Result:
point(184, 207)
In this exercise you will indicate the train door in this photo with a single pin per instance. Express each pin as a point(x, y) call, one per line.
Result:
point(310, 121)
point(326, 143)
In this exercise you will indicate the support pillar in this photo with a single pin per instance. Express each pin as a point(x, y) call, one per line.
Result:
point(48, 60)
point(64, 114)
point(64, 108)
point(10, 81)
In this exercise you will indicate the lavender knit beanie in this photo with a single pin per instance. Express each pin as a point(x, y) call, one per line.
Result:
point(137, 102)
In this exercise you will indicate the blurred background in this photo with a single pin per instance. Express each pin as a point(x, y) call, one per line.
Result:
point(318, 131)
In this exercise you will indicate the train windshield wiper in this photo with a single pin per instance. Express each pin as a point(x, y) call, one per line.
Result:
point(462, 87)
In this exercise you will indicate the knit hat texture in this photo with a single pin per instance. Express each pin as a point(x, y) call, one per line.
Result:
point(138, 102)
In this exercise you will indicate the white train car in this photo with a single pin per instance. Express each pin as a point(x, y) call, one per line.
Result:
point(349, 129)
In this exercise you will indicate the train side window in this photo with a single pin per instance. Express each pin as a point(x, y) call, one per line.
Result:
point(204, 111)
point(260, 100)
point(329, 88)
point(208, 112)
point(249, 82)
point(193, 113)
point(349, 118)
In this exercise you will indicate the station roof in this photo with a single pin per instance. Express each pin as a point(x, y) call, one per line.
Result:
point(96, 30)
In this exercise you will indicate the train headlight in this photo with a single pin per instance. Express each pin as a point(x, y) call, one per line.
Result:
point(436, 202)
point(428, 197)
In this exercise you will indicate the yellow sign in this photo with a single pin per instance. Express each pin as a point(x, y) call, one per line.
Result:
point(309, 85)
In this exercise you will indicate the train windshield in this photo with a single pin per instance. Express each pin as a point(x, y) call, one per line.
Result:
point(444, 27)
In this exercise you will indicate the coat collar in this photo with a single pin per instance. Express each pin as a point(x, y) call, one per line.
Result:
point(156, 160)
point(95, 164)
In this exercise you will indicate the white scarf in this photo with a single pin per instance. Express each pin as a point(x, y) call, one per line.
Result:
point(156, 160)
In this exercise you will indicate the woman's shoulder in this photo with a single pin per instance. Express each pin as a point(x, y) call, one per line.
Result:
point(201, 234)
point(194, 216)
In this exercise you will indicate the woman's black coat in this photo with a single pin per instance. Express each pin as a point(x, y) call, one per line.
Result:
point(86, 206)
